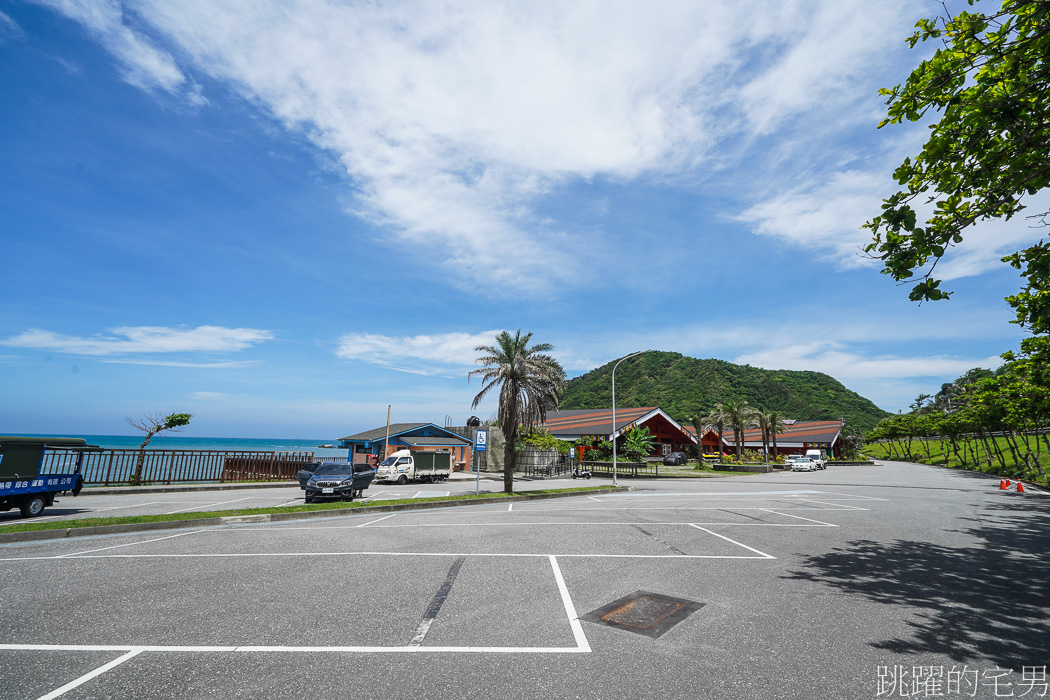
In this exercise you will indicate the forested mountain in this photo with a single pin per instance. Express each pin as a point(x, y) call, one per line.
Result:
point(683, 386)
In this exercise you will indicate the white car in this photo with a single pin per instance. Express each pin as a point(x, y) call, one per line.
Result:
point(802, 464)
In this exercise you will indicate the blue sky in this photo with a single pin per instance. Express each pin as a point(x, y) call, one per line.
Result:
point(284, 216)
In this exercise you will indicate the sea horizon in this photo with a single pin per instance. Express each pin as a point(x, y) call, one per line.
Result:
point(183, 442)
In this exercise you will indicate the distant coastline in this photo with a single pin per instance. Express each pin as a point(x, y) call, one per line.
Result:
point(180, 442)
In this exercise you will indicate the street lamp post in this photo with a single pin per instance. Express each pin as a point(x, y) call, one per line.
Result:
point(613, 434)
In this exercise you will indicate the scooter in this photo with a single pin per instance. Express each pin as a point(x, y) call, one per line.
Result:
point(581, 473)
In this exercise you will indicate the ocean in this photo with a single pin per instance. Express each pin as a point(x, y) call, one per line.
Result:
point(178, 442)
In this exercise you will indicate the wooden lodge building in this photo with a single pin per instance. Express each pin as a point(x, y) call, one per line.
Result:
point(597, 424)
point(671, 436)
point(796, 439)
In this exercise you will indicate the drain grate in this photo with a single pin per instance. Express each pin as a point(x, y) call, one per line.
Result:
point(649, 614)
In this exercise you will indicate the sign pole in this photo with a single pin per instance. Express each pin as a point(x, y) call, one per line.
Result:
point(481, 444)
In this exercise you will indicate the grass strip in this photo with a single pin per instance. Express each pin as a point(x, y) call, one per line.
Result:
point(38, 525)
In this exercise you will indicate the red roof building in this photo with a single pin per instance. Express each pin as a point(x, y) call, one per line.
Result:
point(597, 424)
point(796, 439)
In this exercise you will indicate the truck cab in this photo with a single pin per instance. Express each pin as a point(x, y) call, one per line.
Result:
point(33, 470)
point(417, 465)
point(819, 457)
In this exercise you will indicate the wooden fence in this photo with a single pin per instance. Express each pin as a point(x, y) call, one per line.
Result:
point(115, 467)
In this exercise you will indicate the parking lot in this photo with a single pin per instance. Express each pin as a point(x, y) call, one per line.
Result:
point(810, 585)
point(116, 502)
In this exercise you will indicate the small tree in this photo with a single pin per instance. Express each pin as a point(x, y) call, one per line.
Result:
point(638, 443)
point(151, 424)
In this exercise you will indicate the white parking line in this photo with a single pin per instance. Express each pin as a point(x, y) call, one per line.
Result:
point(763, 554)
point(570, 609)
point(209, 505)
point(842, 506)
point(58, 692)
point(306, 650)
point(431, 494)
point(126, 544)
point(99, 510)
point(248, 555)
point(789, 515)
point(376, 520)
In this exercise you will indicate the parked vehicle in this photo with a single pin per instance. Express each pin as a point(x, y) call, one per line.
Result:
point(802, 464)
point(819, 457)
point(338, 480)
point(581, 473)
point(431, 466)
point(675, 458)
point(304, 474)
point(23, 483)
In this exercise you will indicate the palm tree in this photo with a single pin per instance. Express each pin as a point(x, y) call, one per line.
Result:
point(776, 426)
point(739, 415)
point(717, 420)
point(530, 382)
point(771, 423)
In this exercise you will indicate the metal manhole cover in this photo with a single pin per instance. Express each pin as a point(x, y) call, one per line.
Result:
point(649, 614)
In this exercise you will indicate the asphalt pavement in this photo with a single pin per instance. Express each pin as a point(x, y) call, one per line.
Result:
point(854, 582)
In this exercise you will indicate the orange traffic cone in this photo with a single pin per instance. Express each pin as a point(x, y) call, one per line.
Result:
point(1020, 487)
point(1007, 483)
point(1002, 484)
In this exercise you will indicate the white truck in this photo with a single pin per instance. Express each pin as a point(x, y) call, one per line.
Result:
point(431, 466)
point(819, 457)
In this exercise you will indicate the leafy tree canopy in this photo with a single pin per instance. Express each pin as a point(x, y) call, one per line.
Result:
point(990, 81)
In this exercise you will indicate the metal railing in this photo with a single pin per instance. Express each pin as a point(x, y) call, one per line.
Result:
point(555, 467)
point(623, 468)
point(118, 466)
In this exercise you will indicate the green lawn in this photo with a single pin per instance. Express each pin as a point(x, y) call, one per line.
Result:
point(44, 524)
point(940, 453)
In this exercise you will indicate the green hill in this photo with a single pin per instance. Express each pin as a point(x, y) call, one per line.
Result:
point(683, 386)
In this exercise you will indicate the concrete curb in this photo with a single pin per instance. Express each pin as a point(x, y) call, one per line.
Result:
point(64, 533)
point(189, 488)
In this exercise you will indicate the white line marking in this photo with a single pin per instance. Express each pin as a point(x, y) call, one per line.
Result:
point(709, 494)
point(853, 495)
point(308, 650)
point(431, 494)
point(126, 544)
point(209, 505)
point(570, 609)
point(244, 555)
point(594, 499)
point(290, 503)
point(789, 515)
point(510, 507)
point(763, 554)
point(99, 510)
point(374, 521)
point(88, 676)
point(843, 506)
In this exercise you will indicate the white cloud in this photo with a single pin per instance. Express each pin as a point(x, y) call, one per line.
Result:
point(840, 362)
point(453, 120)
point(209, 396)
point(143, 64)
point(143, 339)
point(9, 28)
point(193, 365)
point(419, 354)
point(826, 214)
